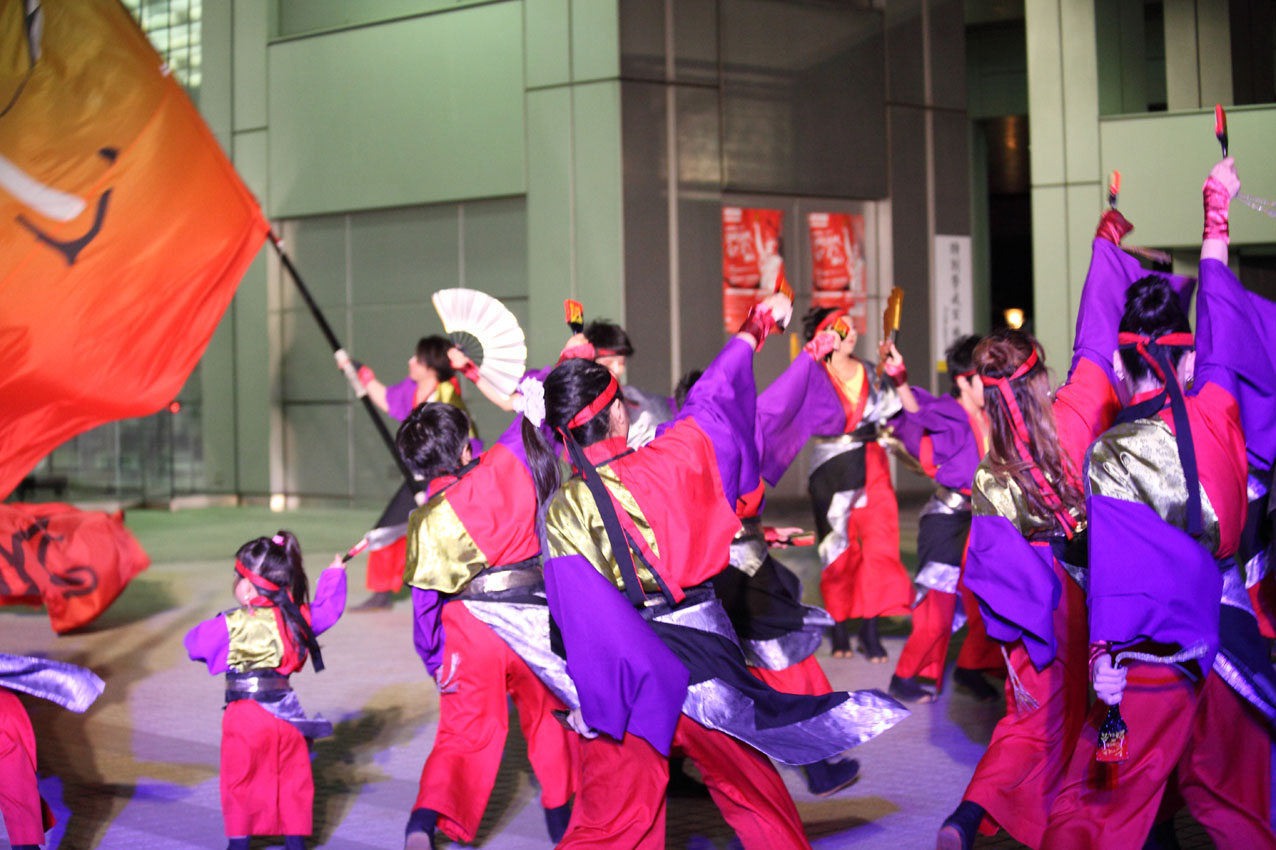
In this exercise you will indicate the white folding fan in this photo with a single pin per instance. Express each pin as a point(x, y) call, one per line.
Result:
point(487, 332)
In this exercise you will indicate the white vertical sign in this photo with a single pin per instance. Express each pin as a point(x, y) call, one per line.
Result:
point(952, 293)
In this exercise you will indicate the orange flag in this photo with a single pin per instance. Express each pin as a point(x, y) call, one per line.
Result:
point(124, 230)
point(74, 562)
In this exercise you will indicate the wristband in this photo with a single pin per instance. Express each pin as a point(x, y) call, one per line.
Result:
point(898, 373)
point(1113, 226)
point(366, 375)
point(1216, 198)
point(759, 323)
point(821, 345)
point(469, 370)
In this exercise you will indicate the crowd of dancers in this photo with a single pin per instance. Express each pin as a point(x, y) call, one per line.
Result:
point(604, 564)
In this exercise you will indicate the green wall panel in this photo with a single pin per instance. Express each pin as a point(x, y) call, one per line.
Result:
point(255, 379)
point(1045, 90)
point(599, 200)
point(1050, 274)
point(250, 68)
point(317, 247)
point(496, 247)
point(403, 255)
point(302, 17)
point(550, 264)
point(1165, 157)
point(548, 37)
point(423, 110)
point(595, 31)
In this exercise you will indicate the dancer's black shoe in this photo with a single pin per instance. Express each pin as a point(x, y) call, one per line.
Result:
point(910, 690)
point(975, 684)
point(825, 778)
point(869, 644)
point(556, 820)
point(419, 834)
point(958, 832)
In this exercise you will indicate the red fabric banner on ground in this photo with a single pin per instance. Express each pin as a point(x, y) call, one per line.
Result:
point(124, 230)
point(837, 264)
point(74, 562)
point(751, 260)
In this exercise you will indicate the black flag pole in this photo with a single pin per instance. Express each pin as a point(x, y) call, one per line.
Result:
point(351, 375)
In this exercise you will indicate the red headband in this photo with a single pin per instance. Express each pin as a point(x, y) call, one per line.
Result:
point(1021, 437)
point(590, 410)
point(827, 322)
point(606, 352)
point(1182, 339)
point(254, 579)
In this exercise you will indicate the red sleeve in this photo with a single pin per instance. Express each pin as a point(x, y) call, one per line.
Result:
point(496, 503)
point(1084, 408)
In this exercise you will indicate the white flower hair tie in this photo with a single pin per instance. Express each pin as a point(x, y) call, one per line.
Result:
point(530, 400)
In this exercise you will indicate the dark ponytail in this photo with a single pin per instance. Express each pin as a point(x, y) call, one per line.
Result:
point(569, 388)
point(432, 439)
point(278, 560)
point(541, 461)
point(1152, 309)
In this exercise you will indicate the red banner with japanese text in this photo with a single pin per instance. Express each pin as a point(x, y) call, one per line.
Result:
point(124, 230)
point(74, 562)
point(752, 260)
point(837, 264)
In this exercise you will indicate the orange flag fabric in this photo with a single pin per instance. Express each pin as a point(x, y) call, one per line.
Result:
point(74, 562)
point(124, 230)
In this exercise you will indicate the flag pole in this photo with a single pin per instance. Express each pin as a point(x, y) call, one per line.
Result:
point(349, 370)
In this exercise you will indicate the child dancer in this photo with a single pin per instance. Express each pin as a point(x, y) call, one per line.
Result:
point(266, 784)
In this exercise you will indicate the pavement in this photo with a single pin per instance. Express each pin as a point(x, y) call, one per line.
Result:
point(139, 770)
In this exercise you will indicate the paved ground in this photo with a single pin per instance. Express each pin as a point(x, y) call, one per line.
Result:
point(139, 770)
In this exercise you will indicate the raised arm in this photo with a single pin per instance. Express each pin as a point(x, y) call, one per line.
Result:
point(723, 402)
point(330, 597)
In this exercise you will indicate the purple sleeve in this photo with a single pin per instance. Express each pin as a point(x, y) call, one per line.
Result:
point(627, 679)
point(911, 427)
point(210, 642)
point(723, 405)
point(329, 600)
point(427, 627)
point(1171, 599)
point(1111, 272)
point(798, 405)
point(1015, 584)
point(399, 398)
point(1235, 347)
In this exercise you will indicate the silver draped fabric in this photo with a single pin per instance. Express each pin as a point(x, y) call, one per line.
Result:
point(935, 575)
point(864, 715)
point(1235, 592)
point(717, 705)
point(68, 685)
point(839, 514)
point(524, 626)
point(792, 648)
point(290, 711)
